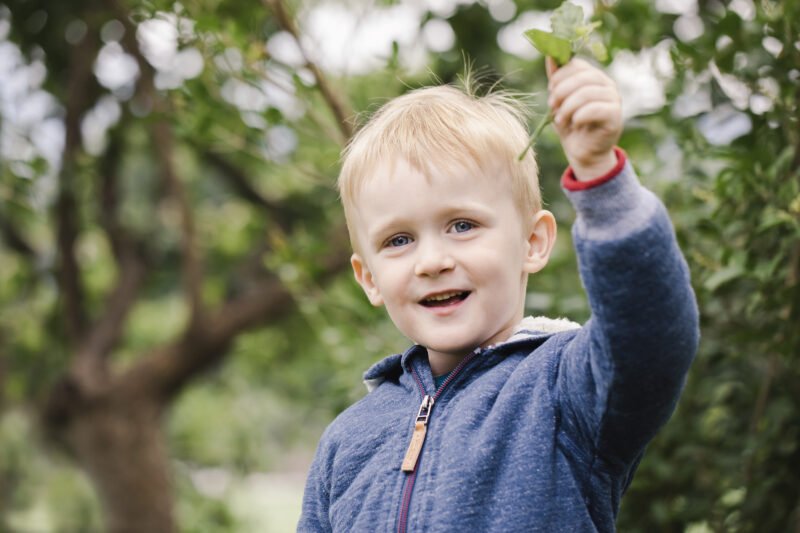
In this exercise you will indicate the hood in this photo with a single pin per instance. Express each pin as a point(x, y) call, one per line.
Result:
point(530, 326)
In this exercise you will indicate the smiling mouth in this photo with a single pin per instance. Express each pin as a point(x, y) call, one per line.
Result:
point(445, 299)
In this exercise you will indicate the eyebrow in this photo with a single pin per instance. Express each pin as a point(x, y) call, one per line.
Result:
point(379, 232)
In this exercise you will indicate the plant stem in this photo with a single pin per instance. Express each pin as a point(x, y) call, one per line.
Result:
point(547, 119)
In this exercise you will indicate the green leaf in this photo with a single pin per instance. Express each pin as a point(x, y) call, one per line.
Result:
point(598, 50)
point(586, 29)
point(566, 20)
point(723, 276)
point(550, 45)
point(772, 217)
point(570, 35)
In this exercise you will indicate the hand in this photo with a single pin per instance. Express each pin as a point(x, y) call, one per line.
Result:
point(588, 116)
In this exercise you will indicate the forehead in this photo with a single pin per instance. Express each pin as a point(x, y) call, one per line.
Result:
point(397, 173)
point(400, 195)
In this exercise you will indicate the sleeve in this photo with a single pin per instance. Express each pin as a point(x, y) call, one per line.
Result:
point(620, 377)
point(316, 496)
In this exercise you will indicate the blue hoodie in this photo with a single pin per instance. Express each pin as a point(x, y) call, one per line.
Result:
point(542, 432)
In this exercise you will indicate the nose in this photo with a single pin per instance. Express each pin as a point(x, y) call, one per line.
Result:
point(433, 259)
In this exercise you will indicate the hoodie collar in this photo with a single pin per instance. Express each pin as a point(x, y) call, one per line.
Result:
point(528, 329)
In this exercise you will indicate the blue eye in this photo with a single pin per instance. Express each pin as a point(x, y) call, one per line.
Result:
point(398, 240)
point(462, 226)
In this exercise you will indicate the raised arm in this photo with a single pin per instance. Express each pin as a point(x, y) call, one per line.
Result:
point(622, 374)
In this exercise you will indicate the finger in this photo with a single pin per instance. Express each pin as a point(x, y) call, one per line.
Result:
point(584, 95)
point(605, 113)
point(550, 66)
point(584, 74)
point(581, 97)
point(582, 78)
point(575, 65)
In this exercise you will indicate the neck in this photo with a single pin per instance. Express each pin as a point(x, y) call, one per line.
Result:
point(442, 363)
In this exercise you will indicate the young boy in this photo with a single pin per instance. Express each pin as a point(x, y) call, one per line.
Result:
point(490, 422)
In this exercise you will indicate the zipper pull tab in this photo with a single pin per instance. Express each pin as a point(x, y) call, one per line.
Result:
point(418, 437)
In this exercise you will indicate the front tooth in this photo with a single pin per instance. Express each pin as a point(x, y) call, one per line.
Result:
point(443, 296)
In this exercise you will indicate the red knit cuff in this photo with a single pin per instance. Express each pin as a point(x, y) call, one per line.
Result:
point(571, 183)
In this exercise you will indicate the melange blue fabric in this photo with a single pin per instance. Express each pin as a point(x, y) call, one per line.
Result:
point(538, 434)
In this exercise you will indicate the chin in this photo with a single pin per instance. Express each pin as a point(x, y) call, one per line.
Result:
point(459, 349)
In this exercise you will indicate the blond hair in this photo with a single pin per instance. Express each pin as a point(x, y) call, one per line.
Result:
point(444, 128)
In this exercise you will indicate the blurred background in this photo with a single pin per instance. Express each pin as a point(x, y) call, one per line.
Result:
point(178, 322)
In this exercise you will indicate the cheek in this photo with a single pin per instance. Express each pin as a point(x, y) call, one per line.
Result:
point(388, 279)
point(504, 271)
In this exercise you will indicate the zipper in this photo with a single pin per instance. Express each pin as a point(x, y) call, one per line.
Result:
point(411, 459)
point(418, 437)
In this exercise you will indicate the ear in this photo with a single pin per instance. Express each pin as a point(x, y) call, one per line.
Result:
point(541, 239)
point(364, 278)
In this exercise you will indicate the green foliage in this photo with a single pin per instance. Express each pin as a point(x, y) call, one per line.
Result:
point(39, 492)
point(725, 462)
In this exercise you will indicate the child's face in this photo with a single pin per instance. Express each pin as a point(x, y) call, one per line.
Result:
point(448, 255)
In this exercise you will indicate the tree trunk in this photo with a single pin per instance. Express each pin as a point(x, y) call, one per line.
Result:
point(117, 438)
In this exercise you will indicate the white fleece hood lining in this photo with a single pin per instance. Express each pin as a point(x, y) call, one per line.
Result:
point(526, 328)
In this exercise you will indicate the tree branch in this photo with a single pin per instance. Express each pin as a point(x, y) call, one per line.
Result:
point(336, 104)
point(69, 275)
point(164, 141)
point(16, 241)
point(89, 366)
point(109, 199)
point(240, 184)
point(80, 88)
point(3, 366)
point(192, 262)
point(758, 412)
point(169, 368)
